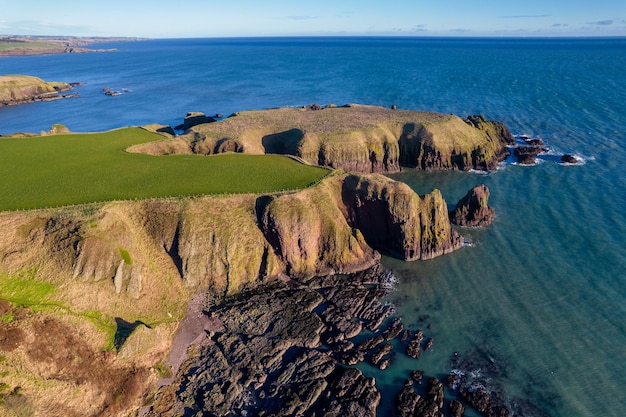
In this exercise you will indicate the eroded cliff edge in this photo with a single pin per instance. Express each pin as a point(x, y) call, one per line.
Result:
point(226, 243)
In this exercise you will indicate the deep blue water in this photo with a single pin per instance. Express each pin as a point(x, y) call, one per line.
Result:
point(541, 292)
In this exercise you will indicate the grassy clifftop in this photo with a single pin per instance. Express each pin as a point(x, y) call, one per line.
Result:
point(355, 138)
point(66, 169)
point(17, 89)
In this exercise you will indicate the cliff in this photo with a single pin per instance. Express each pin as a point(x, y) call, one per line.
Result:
point(120, 274)
point(397, 221)
point(360, 139)
point(227, 243)
point(19, 89)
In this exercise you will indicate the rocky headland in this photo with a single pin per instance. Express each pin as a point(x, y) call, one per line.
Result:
point(16, 45)
point(21, 89)
point(354, 138)
point(276, 319)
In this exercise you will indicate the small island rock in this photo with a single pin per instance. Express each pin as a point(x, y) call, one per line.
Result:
point(472, 210)
point(569, 159)
point(526, 155)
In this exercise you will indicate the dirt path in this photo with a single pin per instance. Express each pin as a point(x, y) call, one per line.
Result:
point(192, 330)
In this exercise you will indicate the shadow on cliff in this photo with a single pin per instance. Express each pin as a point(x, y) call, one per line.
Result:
point(283, 143)
point(371, 216)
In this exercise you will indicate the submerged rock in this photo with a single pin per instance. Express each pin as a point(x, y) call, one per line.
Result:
point(473, 209)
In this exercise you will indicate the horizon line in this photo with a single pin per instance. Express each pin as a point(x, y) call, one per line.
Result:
point(336, 35)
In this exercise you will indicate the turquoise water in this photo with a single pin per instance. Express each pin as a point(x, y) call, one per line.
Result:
point(542, 291)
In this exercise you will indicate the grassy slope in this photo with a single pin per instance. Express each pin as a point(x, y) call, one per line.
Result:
point(330, 124)
point(72, 169)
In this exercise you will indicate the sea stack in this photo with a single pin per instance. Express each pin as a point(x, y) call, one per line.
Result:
point(472, 210)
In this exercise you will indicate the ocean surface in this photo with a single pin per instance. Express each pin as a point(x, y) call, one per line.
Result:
point(537, 302)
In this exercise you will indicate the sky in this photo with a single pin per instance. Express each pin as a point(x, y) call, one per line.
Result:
point(243, 18)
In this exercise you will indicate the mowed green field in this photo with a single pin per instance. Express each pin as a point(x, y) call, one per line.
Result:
point(60, 170)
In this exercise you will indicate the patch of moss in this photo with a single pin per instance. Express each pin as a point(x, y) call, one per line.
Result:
point(125, 256)
point(24, 291)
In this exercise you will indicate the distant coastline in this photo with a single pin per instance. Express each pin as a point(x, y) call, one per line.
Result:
point(20, 45)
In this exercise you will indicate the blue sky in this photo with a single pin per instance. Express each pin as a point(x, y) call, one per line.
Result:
point(209, 18)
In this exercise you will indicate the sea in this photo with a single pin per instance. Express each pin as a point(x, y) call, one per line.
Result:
point(534, 305)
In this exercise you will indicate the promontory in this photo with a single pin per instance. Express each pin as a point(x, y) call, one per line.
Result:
point(91, 295)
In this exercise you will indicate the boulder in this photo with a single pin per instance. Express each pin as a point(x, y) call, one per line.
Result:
point(473, 210)
point(417, 376)
point(456, 408)
point(413, 349)
point(394, 329)
point(569, 159)
point(526, 155)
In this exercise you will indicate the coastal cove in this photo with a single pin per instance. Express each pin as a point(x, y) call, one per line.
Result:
point(538, 296)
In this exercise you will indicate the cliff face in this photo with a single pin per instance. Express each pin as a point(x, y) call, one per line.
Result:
point(18, 89)
point(360, 139)
point(473, 209)
point(454, 145)
point(396, 220)
point(227, 243)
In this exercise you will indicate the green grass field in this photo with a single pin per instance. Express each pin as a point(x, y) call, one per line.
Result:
point(9, 46)
point(60, 170)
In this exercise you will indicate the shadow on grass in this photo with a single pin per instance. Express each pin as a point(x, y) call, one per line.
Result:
point(124, 329)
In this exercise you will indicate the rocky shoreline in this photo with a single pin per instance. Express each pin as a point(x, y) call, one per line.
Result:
point(23, 89)
point(294, 348)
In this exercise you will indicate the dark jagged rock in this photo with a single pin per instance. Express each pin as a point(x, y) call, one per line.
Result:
point(351, 357)
point(406, 402)
point(429, 344)
point(411, 404)
point(405, 336)
point(535, 142)
point(569, 159)
point(456, 408)
point(394, 329)
point(417, 376)
point(527, 155)
point(473, 209)
point(377, 357)
point(263, 354)
point(194, 119)
point(434, 390)
point(313, 106)
point(350, 394)
point(371, 343)
point(413, 349)
point(472, 381)
point(485, 403)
